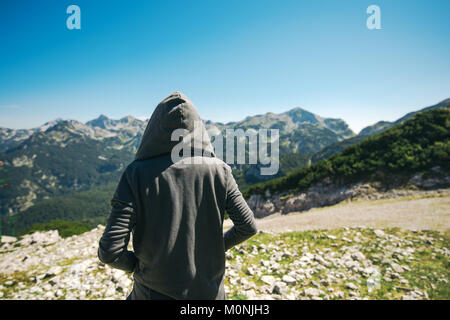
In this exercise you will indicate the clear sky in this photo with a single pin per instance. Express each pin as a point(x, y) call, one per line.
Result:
point(232, 58)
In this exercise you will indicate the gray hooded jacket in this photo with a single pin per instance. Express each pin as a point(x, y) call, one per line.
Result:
point(175, 211)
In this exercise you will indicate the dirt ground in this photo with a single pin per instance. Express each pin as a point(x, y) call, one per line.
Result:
point(405, 213)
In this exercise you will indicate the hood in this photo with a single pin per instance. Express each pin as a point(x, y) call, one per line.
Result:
point(174, 112)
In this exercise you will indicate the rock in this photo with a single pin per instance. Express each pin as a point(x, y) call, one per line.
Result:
point(351, 286)
point(250, 271)
point(325, 283)
point(40, 238)
point(117, 275)
point(47, 287)
point(279, 288)
point(312, 292)
point(350, 264)
point(270, 280)
point(394, 275)
point(124, 283)
point(110, 292)
point(49, 295)
point(289, 280)
point(396, 267)
point(404, 281)
point(379, 233)
point(319, 259)
point(53, 271)
point(250, 294)
point(8, 239)
point(264, 263)
point(359, 256)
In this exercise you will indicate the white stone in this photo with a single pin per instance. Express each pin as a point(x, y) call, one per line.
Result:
point(312, 292)
point(8, 239)
point(396, 267)
point(270, 280)
point(289, 280)
point(379, 233)
point(351, 286)
point(55, 270)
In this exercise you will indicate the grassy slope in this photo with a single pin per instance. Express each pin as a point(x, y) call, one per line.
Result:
point(423, 253)
point(428, 264)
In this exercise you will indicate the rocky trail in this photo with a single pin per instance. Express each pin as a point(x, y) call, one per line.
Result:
point(360, 250)
point(412, 213)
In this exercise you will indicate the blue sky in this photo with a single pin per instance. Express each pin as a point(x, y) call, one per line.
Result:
point(232, 58)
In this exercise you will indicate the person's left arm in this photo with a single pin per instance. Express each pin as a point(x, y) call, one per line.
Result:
point(113, 244)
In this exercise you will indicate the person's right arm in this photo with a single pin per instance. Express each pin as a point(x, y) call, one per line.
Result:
point(239, 212)
point(113, 244)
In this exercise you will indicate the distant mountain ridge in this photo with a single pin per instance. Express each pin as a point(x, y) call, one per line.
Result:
point(414, 154)
point(370, 131)
point(383, 125)
point(300, 131)
point(64, 156)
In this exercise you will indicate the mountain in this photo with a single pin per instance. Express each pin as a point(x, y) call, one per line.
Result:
point(415, 152)
point(369, 131)
point(63, 156)
point(66, 157)
point(11, 138)
point(300, 131)
point(127, 123)
point(383, 125)
point(51, 183)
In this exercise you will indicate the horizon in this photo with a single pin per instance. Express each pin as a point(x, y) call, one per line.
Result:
point(232, 59)
point(145, 118)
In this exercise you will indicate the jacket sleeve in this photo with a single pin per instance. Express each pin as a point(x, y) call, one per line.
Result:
point(239, 212)
point(113, 244)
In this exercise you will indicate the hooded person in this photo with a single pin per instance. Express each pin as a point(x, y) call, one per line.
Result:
point(174, 207)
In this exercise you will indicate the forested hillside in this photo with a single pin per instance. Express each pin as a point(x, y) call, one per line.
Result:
point(418, 144)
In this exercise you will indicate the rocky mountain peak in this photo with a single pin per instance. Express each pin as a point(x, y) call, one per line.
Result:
point(102, 122)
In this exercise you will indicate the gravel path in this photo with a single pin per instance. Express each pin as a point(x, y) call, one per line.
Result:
point(416, 214)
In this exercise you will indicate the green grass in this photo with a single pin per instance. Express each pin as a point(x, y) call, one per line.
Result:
point(65, 228)
point(17, 277)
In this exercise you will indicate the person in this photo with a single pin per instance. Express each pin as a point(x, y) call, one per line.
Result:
point(175, 212)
